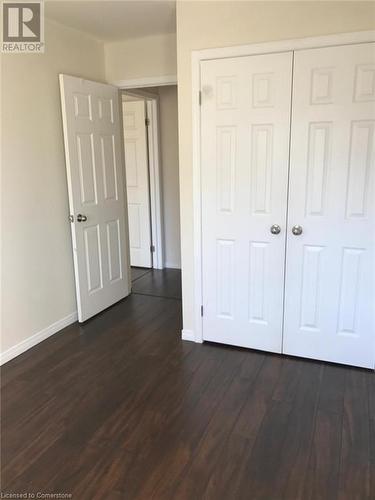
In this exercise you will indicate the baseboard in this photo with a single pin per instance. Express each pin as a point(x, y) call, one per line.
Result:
point(188, 335)
point(171, 265)
point(35, 339)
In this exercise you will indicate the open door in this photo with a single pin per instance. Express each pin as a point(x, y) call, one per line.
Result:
point(95, 173)
point(138, 185)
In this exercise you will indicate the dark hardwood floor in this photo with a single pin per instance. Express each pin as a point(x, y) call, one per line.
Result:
point(121, 408)
point(158, 282)
point(138, 272)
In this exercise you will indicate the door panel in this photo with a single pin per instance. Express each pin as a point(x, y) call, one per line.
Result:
point(329, 301)
point(137, 176)
point(95, 174)
point(245, 120)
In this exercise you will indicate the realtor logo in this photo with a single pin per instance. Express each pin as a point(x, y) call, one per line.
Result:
point(23, 27)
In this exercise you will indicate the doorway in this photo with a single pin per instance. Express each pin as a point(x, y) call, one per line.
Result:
point(93, 124)
point(150, 127)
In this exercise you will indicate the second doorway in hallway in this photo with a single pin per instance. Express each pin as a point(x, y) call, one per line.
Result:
point(152, 176)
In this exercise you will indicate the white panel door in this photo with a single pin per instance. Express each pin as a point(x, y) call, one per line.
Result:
point(137, 182)
point(329, 298)
point(95, 173)
point(245, 118)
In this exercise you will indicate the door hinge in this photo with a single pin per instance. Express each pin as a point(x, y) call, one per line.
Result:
point(147, 122)
point(152, 248)
point(200, 98)
point(202, 311)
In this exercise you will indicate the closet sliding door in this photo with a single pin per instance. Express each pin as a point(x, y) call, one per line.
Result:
point(329, 294)
point(245, 121)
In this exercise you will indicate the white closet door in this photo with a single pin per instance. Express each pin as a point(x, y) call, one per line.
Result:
point(245, 116)
point(330, 301)
point(137, 182)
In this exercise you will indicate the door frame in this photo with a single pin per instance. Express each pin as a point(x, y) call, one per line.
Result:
point(148, 81)
point(153, 145)
point(197, 57)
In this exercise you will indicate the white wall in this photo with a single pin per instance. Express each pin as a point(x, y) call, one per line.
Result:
point(141, 57)
point(217, 24)
point(37, 266)
point(170, 168)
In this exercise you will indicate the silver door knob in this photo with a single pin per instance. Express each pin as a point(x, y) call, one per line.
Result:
point(81, 218)
point(297, 230)
point(275, 229)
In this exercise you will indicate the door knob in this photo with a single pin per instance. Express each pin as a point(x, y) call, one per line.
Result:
point(81, 218)
point(297, 230)
point(275, 229)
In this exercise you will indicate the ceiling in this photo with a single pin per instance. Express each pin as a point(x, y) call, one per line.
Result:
point(115, 20)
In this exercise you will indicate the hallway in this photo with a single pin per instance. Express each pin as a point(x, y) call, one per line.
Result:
point(157, 282)
point(120, 408)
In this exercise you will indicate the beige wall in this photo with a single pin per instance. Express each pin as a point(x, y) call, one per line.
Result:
point(217, 24)
point(37, 267)
point(141, 58)
point(169, 160)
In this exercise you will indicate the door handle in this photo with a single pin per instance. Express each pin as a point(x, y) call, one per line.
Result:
point(297, 230)
point(81, 218)
point(275, 229)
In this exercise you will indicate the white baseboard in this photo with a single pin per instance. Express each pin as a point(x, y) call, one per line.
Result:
point(172, 265)
point(30, 342)
point(188, 335)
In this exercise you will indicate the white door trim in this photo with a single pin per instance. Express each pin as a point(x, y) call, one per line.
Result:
point(148, 81)
point(152, 107)
point(237, 51)
point(153, 142)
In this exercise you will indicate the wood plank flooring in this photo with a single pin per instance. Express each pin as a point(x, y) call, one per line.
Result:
point(157, 282)
point(138, 272)
point(121, 408)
